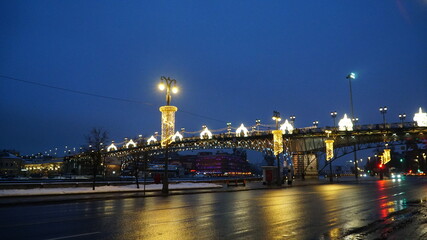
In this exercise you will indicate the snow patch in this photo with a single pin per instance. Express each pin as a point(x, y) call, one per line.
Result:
point(102, 189)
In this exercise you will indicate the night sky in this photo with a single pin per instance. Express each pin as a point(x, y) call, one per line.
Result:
point(234, 61)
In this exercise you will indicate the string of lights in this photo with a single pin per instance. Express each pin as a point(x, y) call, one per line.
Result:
point(226, 130)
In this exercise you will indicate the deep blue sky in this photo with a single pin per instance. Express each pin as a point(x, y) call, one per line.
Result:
point(235, 61)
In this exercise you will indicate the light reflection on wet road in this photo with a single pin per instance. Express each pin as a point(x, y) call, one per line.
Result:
point(311, 212)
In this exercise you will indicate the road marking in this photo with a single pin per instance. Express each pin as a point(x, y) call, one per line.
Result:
point(73, 236)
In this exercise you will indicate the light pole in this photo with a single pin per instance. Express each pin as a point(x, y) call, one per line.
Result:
point(402, 117)
point(170, 85)
point(315, 123)
point(276, 117)
point(355, 120)
point(356, 164)
point(257, 123)
point(168, 123)
point(292, 118)
point(350, 77)
point(229, 128)
point(383, 111)
point(334, 116)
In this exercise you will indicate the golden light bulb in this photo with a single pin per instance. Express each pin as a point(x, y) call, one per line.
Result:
point(161, 86)
point(175, 89)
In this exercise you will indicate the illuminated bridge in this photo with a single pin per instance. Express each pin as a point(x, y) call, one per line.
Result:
point(304, 147)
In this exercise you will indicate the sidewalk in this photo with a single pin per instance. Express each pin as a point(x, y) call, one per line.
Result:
point(10, 197)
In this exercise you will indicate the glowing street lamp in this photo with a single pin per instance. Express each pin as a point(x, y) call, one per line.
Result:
point(169, 85)
point(383, 111)
point(276, 117)
point(355, 120)
point(257, 123)
point(292, 118)
point(315, 123)
point(402, 117)
point(350, 77)
point(229, 128)
point(334, 116)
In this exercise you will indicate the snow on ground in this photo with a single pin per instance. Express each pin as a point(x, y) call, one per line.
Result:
point(102, 189)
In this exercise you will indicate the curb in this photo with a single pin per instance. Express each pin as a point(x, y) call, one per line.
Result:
point(14, 200)
point(101, 192)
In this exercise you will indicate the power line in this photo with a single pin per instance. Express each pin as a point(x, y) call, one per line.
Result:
point(100, 96)
point(75, 91)
point(201, 116)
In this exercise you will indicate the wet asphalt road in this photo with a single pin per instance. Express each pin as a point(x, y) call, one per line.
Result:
point(309, 212)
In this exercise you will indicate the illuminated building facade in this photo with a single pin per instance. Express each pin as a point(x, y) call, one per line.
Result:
point(43, 167)
point(222, 163)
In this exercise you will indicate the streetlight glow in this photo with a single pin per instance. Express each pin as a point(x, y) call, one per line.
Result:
point(334, 116)
point(161, 86)
point(168, 84)
point(351, 76)
point(175, 90)
point(315, 123)
point(383, 111)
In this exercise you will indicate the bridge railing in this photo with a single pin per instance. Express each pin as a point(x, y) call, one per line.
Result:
point(297, 132)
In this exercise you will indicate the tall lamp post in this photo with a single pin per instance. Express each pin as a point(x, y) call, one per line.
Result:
point(334, 116)
point(257, 123)
point(168, 123)
point(355, 121)
point(277, 144)
point(383, 111)
point(292, 118)
point(229, 128)
point(350, 77)
point(402, 117)
point(315, 123)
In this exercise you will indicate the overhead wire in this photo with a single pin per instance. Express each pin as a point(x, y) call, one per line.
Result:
point(114, 99)
point(101, 96)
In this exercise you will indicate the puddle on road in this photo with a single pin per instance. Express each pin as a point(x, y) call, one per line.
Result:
point(411, 215)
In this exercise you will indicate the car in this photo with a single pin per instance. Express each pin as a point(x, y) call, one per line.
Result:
point(397, 176)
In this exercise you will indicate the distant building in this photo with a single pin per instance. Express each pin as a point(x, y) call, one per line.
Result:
point(43, 167)
point(208, 163)
point(10, 165)
point(222, 163)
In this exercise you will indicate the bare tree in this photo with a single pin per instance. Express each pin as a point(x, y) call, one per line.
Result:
point(136, 157)
point(96, 140)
